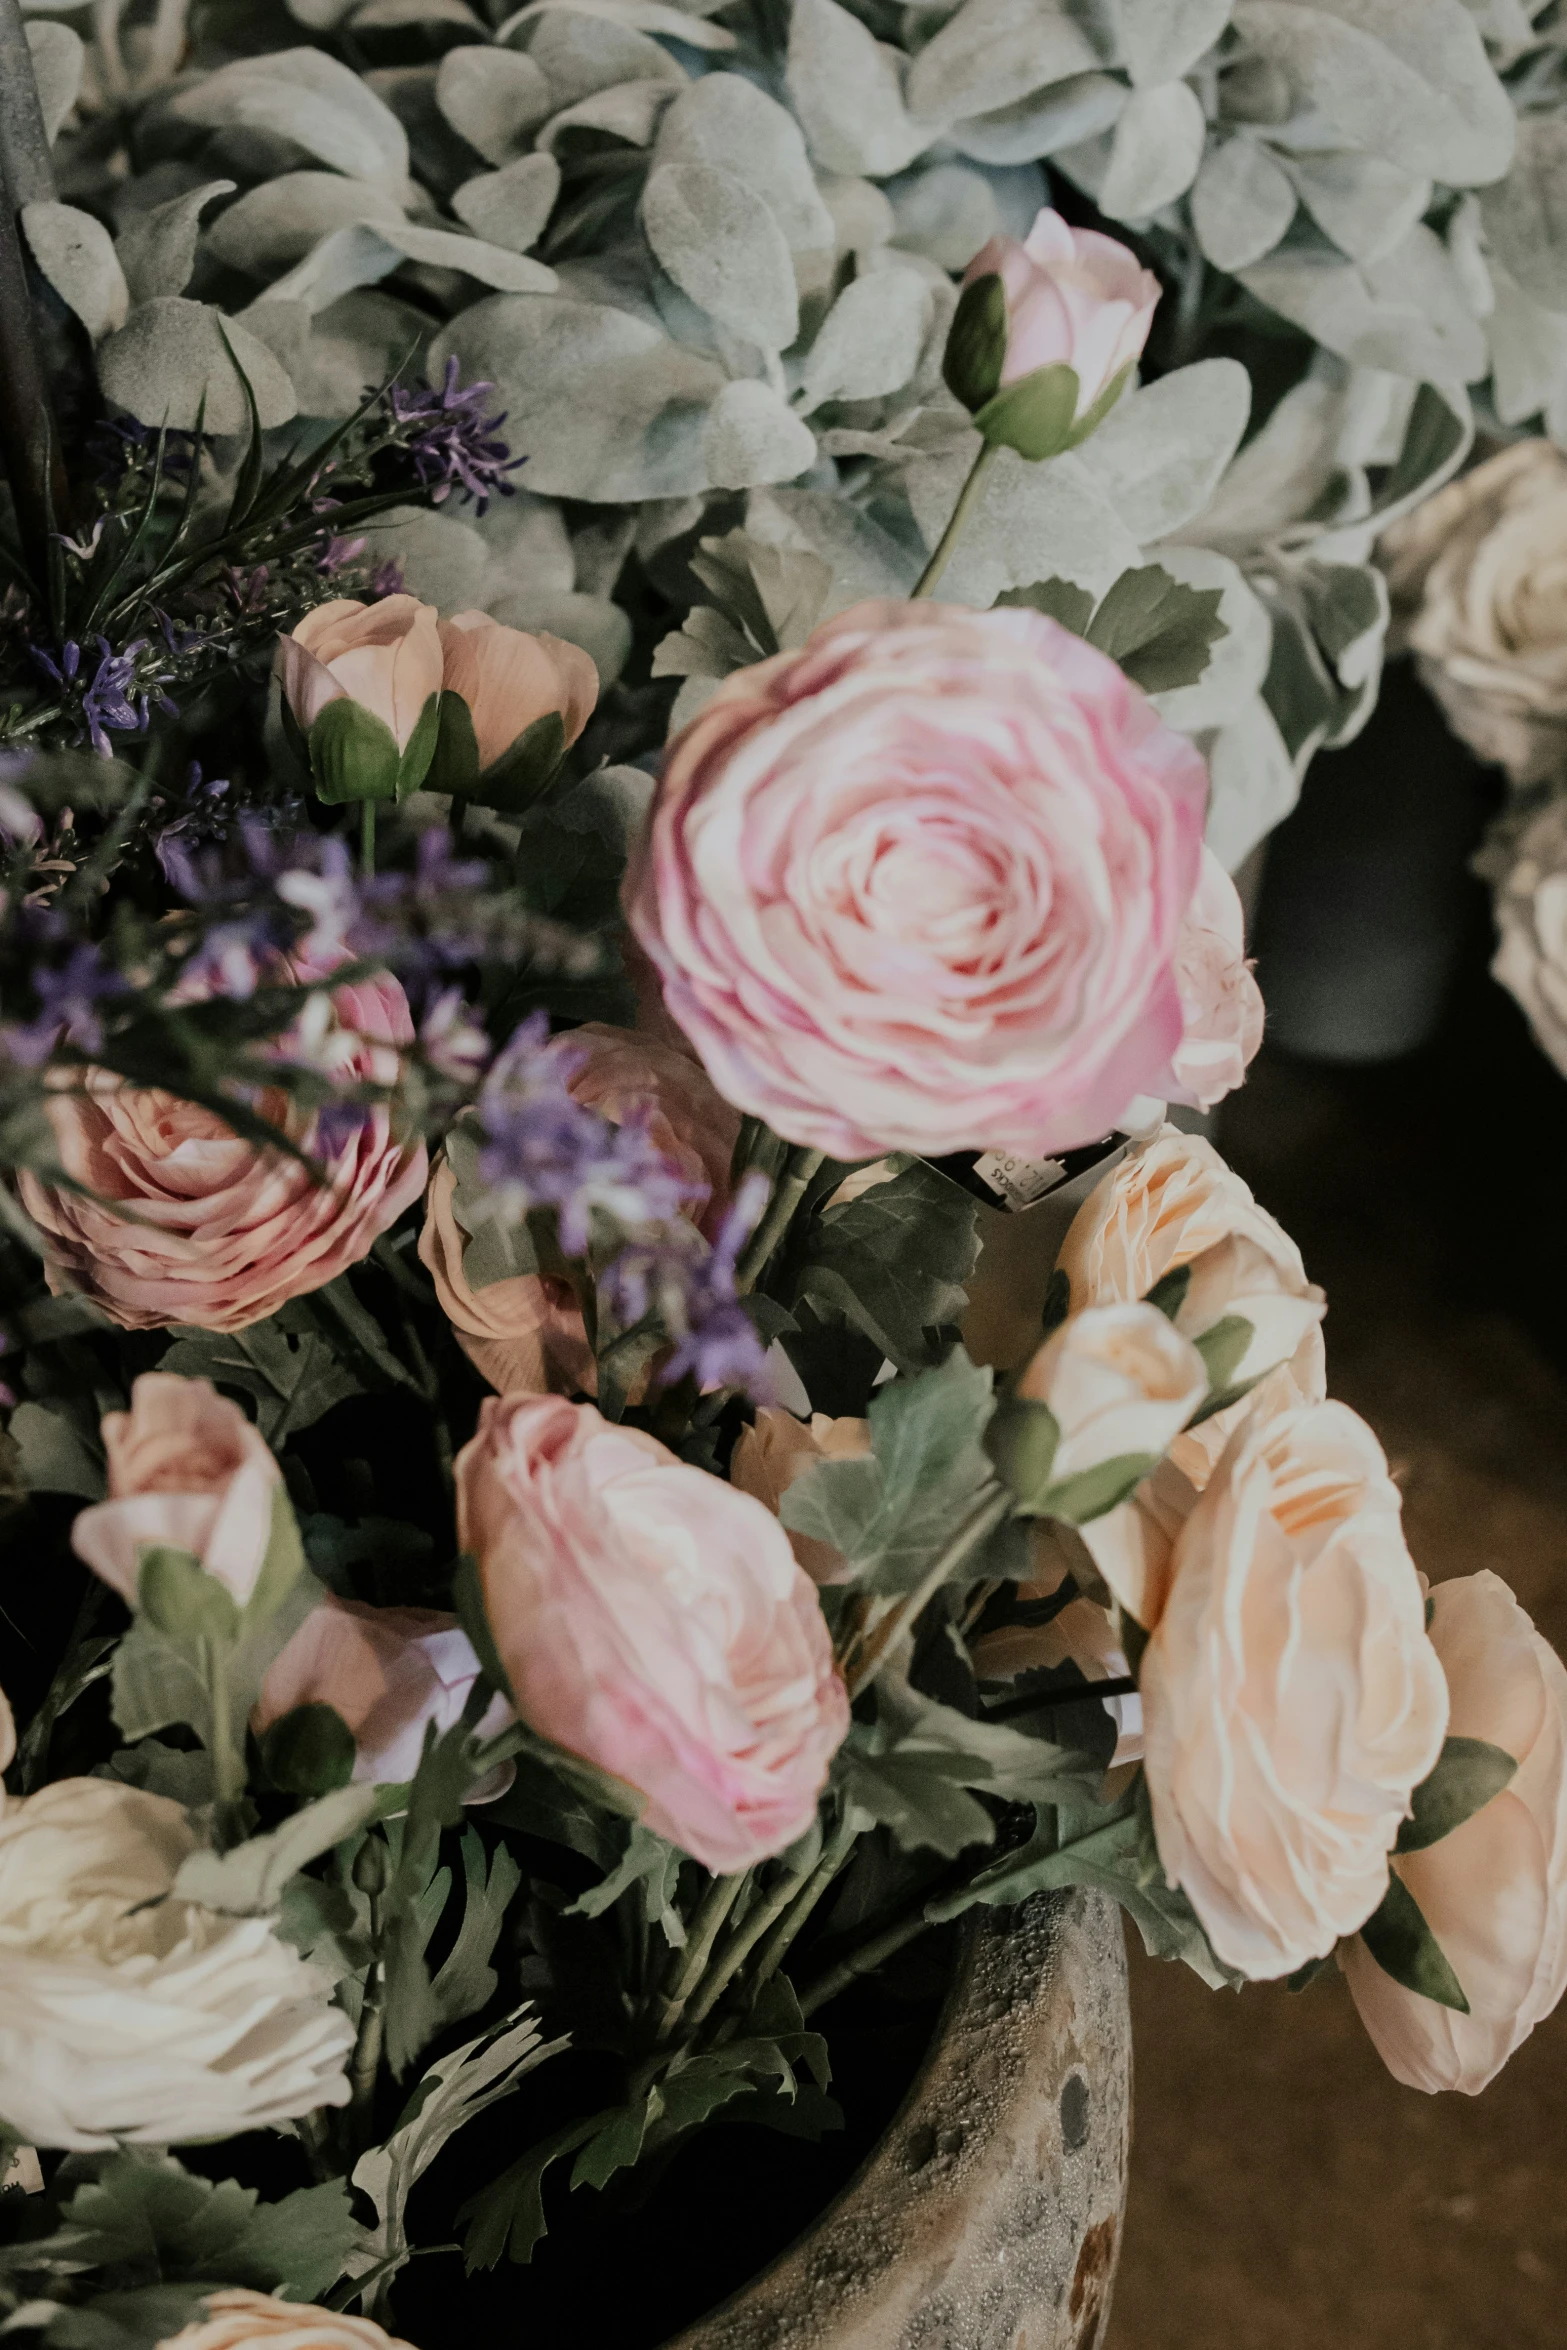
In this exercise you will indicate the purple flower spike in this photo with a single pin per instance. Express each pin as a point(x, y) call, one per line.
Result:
point(453, 444)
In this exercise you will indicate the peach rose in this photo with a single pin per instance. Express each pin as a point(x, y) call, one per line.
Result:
point(769, 1456)
point(1494, 1892)
point(656, 1622)
point(919, 885)
point(1120, 1381)
point(1075, 298)
point(525, 1333)
point(510, 680)
point(1291, 1698)
point(389, 1671)
point(1163, 1204)
point(186, 1469)
point(385, 656)
point(225, 1232)
point(237, 2319)
point(1221, 1003)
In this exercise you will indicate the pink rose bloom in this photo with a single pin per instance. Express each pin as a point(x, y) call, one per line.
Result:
point(225, 1233)
point(1494, 1892)
point(186, 1469)
point(1074, 298)
point(654, 1621)
point(919, 885)
point(389, 1671)
point(385, 656)
point(1221, 1002)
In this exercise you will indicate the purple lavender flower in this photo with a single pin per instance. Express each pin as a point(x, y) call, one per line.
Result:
point(69, 997)
point(692, 1288)
point(119, 683)
point(338, 553)
point(386, 580)
point(453, 445)
point(454, 1038)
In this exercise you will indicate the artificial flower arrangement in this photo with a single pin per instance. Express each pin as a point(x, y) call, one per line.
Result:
point(557, 1590)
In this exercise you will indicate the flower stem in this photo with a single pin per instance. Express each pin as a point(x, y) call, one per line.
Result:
point(967, 498)
point(367, 839)
point(864, 1960)
point(810, 1893)
point(788, 1192)
point(712, 1909)
point(783, 1897)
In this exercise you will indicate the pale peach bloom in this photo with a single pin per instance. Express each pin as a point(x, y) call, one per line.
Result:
point(385, 656)
point(1120, 1381)
point(186, 1469)
point(238, 2319)
point(1221, 1003)
point(524, 1334)
point(510, 679)
point(654, 1621)
point(768, 1457)
point(1163, 1204)
point(1494, 1892)
point(225, 1232)
point(389, 1672)
point(1292, 1701)
point(1236, 1280)
point(1075, 298)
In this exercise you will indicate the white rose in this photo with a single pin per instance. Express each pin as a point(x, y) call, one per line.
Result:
point(1478, 577)
point(1291, 1698)
point(1530, 872)
point(126, 2016)
point(241, 2320)
point(1119, 1380)
point(1494, 1892)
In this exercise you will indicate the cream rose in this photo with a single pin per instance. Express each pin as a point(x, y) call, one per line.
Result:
point(1494, 1892)
point(655, 1621)
point(769, 1456)
point(1291, 1698)
point(1120, 1381)
point(186, 1469)
point(1169, 1199)
point(1529, 867)
point(1478, 577)
point(128, 2015)
point(241, 2320)
point(389, 1672)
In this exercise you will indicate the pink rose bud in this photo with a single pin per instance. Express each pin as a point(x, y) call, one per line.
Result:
point(1494, 1891)
point(389, 1672)
point(363, 682)
point(654, 1621)
point(1063, 317)
point(919, 885)
point(187, 1471)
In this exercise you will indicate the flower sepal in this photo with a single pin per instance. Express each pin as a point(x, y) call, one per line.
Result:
point(510, 784)
point(354, 755)
point(1037, 415)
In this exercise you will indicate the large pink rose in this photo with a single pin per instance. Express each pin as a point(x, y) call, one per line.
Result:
point(225, 1233)
point(920, 885)
point(186, 1469)
point(1074, 298)
point(656, 1622)
point(1494, 1892)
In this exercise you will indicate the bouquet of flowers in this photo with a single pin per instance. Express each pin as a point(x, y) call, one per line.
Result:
point(556, 1533)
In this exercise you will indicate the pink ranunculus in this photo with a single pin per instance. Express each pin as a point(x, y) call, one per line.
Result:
point(654, 1621)
point(920, 884)
point(1075, 298)
point(1494, 1892)
point(623, 1075)
point(389, 1671)
point(1221, 1002)
point(186, 1469)
point(226, 1232)
point(385, 656)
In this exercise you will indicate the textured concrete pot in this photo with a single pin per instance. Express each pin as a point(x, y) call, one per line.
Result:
point(989, 2217)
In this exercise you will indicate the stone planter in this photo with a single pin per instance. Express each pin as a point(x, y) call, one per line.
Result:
point(989, 2217)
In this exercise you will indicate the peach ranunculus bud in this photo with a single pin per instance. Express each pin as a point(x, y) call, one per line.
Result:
point(1221, 1003)
point(224, 1232)
point(363, 682)
point(1494, 1890)
point(508, 696)
point(768, 1457)
point(1292, 1701)
point(1241, 1315)
point(1046, 334)
point(654, 1621)
point(187, 1471)
point(388, 1671)
point(1119, 1383)
point(238, 2319)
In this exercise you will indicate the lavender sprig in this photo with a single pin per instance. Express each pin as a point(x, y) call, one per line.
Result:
point(453, 444)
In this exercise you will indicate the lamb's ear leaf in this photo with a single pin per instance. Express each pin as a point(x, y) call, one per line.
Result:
point(1403, 1945)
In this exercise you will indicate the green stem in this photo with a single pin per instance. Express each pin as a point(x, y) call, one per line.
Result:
point(742, 1942)
point(228, 1764)
point(366, 839)
point(967, 498)
point(788, 1192)
point(365, 2067)
point(810, 1893)
point(993, 1506)
point(864, 1960)
point(712, 1909)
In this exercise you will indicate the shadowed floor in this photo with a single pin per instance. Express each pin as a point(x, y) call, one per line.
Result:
point(1286, 2193)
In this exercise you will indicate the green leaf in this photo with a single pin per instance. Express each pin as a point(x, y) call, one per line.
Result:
point(1094, 415)
point(282, 1565)
point(615, 2145)
point(58, 1456)
point(157, 1681)
point(146, 2218)
point(1033, 415)
point(177, 1595)
point(419, 749)
point(294, 1379)
point(1223, 1348)
point(977, 343)
point(1061, 600)
point(646, 1855)
point(918, 1766)
point(466, 1980)
point(894, 1262)
point(353, 754)
point(1159, 631)
point(508, 2215)
point(1469, 1771)
point(524, 773)
point(1169, 1291)
point(1094, 1491)
point(249, 1880)
point(309, 1751)
point(1403, 1945)
point(143, 2318)
point(540, 1803)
